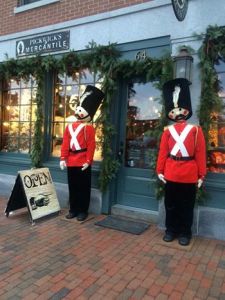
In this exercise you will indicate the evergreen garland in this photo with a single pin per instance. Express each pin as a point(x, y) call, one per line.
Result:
point(211, 51)
point(38, 139)
point(104, 60)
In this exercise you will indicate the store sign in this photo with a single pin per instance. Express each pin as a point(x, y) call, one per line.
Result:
point(34, 188)
point(58, 41)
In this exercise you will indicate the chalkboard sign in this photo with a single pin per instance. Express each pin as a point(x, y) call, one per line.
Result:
point(35, 189)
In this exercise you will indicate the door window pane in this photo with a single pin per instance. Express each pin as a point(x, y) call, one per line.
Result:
point(17, 107)
point(67, 93)
point(143, 113)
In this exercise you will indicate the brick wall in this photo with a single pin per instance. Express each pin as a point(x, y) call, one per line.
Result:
point(64, 10)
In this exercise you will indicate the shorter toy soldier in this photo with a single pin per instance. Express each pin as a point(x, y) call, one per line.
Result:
point(77, 152)
point(181, 163)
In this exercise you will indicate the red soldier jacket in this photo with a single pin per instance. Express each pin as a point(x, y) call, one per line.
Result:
point(78, 145)
point(182, 153)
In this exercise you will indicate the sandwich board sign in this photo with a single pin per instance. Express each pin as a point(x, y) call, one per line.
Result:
point(35, 190)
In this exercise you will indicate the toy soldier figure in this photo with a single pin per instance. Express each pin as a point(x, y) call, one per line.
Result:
point(77, 152)
point(181, 163)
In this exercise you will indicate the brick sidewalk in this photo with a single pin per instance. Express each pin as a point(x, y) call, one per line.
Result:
point(56, 259)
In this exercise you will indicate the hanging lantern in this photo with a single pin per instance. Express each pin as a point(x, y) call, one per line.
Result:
point(183, 65)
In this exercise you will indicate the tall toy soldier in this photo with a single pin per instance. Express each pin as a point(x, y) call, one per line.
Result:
point(181, 163)
point(77, 153)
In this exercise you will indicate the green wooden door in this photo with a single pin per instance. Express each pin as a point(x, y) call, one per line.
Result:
point(139, 114)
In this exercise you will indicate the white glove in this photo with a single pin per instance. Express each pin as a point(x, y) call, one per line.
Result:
point(161, 177)
point(62, 164)
point(85, 166)
point(200, 182)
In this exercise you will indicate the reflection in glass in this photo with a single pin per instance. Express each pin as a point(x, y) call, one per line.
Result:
point(143, 112)
point(86, 77)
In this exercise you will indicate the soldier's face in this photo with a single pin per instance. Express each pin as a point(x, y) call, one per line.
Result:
point(82, 114)
point(178, 114)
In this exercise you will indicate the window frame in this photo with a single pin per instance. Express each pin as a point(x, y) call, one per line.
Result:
point(24, 2)
point(39, 3)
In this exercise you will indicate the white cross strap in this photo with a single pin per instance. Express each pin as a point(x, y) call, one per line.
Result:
point(180, 140)
point(74, 134)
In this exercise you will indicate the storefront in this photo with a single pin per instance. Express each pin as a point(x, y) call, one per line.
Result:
point(135, 108)
point(132, 119)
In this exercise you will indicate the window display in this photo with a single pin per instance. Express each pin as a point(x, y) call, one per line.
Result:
point(17, 108)
point(216, 155)
point(67, 93)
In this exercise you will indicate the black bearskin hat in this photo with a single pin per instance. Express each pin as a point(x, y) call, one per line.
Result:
point(176, 94)
point(90, 100)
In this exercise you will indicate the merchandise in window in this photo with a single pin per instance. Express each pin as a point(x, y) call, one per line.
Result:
point(216, 161)
point(67, 93)
point(17, 108)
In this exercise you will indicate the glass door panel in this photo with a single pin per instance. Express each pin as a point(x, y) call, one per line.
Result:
point(143, 112)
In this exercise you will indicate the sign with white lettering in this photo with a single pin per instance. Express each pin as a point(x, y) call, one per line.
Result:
point(34, 188)
point(58, 41)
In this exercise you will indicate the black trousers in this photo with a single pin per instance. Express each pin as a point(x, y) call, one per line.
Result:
point(179, 205)
point(79, 183)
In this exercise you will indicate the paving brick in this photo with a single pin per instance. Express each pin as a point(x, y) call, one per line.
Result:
point(202, 293)
point(75, 293)
point(90, 290)
point(214, 292)
point(194, 284)
point(189, 294)
point(167, 288)
point(30, 296)
point(182, 286)
point(161, 297)
point(139, 293)
point(134, 284)
point(175, 295)
point(125, 294)
point(154, 290)
point(206, 283)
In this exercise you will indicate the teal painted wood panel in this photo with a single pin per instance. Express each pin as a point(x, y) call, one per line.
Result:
point(139, 186)
point(139, 201)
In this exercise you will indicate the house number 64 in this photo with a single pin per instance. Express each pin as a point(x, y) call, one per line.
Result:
point(141, 55)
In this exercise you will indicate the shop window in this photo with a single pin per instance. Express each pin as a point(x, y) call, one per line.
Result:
point(24, 2)
point(66, 96)
point(216, 161)
point(17, 109)
point(25, 5)
point(143, 113)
